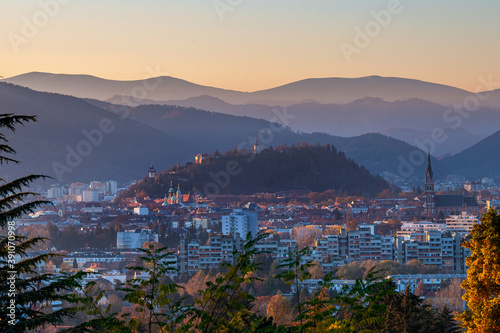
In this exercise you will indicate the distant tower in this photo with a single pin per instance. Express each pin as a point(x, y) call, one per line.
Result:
point(256, 148)
point(171, 193)
point(151, 172)
point(429, 189)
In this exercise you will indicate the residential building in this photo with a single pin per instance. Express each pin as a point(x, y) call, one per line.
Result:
point(141, 210)
point(90, 195)
point(462, 224)
point(240, 223)
point(135, 239)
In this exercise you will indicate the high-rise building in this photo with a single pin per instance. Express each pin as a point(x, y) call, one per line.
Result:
point(100, 187)
point(90, 195)
point(240, 222)
point(111, 187)
point(55, 192)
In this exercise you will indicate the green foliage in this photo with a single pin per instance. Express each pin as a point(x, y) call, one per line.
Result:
point(296, 270)
point(154, 296)
point(102, 320)
point(224, 306)
point(362, 306)
point(482, 286)
point(33, 292)
point(25, 295)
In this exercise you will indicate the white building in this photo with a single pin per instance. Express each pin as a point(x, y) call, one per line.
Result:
point(461, 224)
point(409, 228)
point(90, 195)
point(134, 239)
point(55, 192)
point(100, 187)
point(111, 187)
point(93, 207)
point(141, 210)
point(240, 222)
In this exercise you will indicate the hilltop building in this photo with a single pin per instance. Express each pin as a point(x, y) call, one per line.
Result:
point(151, 172)
point(256, 148)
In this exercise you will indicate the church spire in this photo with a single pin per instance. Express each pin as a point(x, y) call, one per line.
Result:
point(429, 176)
point(429, 189)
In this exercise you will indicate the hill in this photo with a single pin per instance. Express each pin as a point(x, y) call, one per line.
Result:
point(322, 90)
point(316, 168)
point(456, 139)
point(480, 160)
point(59, 145)
point(210, 131)
point(395, 160)
point(88, 86)
point(407, 120)
point(158, 135)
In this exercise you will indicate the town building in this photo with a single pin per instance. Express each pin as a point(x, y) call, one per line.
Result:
point(240, 223)
point(461, 224)
point(447, 204)
point(90, 195)
point(135, 239)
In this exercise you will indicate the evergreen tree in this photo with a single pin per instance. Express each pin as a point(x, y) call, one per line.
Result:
point(446, 323)
point(482, 286)
point(153, 295)
point(406, 313)
point(25, 294)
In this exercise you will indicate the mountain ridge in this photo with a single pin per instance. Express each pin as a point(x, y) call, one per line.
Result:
point(323, 90)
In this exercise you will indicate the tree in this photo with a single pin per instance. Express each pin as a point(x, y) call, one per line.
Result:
point(280, 309)
point(224, 306)
point(445, 321)
point(352, 271)
point(482, 286)
point(406, 313)
point(306, 236)
point(296, 271)
point(316, 270)
point(420, 289)
point(363, 306)
point(24, 293)
point(153, 297)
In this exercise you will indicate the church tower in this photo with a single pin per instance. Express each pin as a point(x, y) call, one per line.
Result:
point(171, 193)
point(179, 198)
point(429, 189)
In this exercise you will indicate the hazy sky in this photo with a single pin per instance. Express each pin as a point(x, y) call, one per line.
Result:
point(253, 44)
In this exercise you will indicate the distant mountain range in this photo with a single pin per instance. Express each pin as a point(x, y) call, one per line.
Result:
point(135, 137)
point(406, 109)
point(320, 90)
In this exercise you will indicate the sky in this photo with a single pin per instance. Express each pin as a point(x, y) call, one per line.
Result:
point(251, 45)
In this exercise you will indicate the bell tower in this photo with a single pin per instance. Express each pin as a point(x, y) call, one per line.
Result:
point(429, 189)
